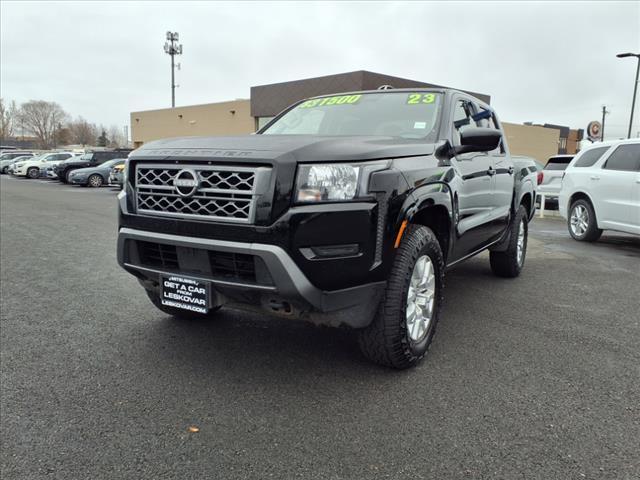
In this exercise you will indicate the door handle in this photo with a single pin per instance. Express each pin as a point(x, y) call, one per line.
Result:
point(511, 170)
point(491, 172)
point(594, 177)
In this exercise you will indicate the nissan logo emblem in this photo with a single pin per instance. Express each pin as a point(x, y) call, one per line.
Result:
point(186, 183)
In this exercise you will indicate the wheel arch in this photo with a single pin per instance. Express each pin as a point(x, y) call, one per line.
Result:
point(581, 195)
point(525, 196)
point(433, 209)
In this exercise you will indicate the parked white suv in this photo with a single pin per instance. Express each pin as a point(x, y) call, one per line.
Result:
point(33, 168)
point(601, 190)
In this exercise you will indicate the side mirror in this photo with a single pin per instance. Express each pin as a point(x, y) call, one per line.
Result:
point(479, 140)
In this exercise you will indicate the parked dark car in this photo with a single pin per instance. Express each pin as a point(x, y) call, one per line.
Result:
point(343, 210)
point(94, 176)
point(89, 159)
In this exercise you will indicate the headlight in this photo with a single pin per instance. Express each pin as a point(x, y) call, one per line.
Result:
point(331, 182)
point(125, 173)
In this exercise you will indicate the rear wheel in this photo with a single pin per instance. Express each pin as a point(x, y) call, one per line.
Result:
point(5, 170)
point(405, 323)
point(178, 312)
point(582, 222)
point(95, 180)
point(509, 263)
point(33, 172)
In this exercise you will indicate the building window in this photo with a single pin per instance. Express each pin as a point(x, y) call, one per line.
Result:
point(562, 145)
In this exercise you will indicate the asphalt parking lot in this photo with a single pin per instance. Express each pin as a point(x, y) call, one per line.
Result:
point(537, 377)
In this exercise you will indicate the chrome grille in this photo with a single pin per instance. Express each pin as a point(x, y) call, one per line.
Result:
point(223, 193)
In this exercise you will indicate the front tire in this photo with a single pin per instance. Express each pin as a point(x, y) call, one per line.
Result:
point(582, 223)
point(95, 180)
point(509, 263)
point(33, 172)
point(406, 320)
point(178, 312)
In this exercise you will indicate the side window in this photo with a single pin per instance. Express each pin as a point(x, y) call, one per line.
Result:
point(591, 156)
point(487, 119)
point(462, 119)
point(625, 158)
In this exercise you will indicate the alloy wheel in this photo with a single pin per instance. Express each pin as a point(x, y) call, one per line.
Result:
point(95, 181)
point(520, 244)
point(420, 298)
point(579, 222)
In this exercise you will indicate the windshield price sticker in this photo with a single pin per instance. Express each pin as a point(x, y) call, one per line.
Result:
point(185, 293)
point(421, 98)
point(327, 101)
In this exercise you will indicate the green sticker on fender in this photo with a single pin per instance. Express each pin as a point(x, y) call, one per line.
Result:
point(420, 98)
point(327, 101)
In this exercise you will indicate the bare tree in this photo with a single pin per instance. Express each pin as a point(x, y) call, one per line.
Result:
point(83, 132)
point(116, 137)
point(7, 119)
point(41, 119)
point(63, 135)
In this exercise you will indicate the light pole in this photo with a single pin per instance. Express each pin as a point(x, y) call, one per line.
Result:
point(635, 85)
point(172, 48)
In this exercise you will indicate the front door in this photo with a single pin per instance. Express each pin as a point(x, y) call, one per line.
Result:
point(473, 200)
point(502, 171)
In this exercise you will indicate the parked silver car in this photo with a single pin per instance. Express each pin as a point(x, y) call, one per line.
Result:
point(11, 157)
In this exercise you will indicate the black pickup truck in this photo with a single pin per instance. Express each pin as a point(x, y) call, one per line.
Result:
point(345, 210)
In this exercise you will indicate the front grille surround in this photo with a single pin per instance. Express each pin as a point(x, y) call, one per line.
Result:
point(225, 193)
point(216, 265)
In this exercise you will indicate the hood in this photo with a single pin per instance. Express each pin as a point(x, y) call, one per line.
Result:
point(86, 170)
point(301, 148)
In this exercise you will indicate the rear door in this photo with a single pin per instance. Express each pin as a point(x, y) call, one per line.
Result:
point(614, 188)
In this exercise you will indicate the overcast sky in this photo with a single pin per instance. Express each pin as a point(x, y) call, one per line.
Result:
point(544, 62)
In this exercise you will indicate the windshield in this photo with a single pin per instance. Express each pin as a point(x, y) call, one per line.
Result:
point(396, 114)
point(111, 163)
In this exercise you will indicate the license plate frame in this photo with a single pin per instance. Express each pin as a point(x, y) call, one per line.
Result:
point(185, 293)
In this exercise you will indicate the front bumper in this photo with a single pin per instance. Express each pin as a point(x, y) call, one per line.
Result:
point(280, 286)
point(78, 180)
point(115, 178)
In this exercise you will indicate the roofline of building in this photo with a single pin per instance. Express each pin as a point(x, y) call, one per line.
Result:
point(192, 106)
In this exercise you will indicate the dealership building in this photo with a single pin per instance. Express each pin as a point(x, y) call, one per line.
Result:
point(243, 116)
